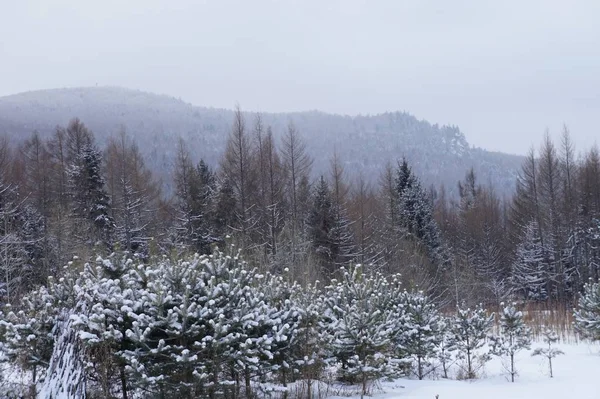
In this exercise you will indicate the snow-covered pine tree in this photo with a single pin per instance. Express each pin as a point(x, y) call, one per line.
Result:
point(35, 242)
point(320, 223)
point(109, 290)
point(203, 329)
point(470, 328)
point(133, 194)
point(313, 339)
point(514, 336)
point(491, 265)
point(194, 193)
point(587, 313)
point(254, 327)
point(90, 200)
point(583, 248)
point(170, 331)
point(286, 317)
point(27, 333)
point(529, 269)
point(203, 193)
point(446, 345)
point(329, 230)
point(423, 334)
point(416, 224)
point(362, 328)
point(15, 268)
point(224, 205)
point(341, 237)
point(549, 352)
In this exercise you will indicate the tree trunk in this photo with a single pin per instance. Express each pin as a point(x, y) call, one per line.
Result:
point(512, 367)
point(247, 381)
point(123, 382)
point(284, 383)
point(33, 387)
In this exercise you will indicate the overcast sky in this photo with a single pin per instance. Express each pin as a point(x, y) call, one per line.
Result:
point(503, 71)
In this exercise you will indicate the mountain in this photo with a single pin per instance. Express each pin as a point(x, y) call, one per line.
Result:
point(439, 154)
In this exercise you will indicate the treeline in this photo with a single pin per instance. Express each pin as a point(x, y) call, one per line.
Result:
point(66, 196)
point(540, 245)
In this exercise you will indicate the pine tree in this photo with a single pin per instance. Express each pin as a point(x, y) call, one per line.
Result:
point(550, 352)
point(528, 277)
point(276, 205)
point(313, 338)
point(423, 330)
point(133, 194)
point(195, 193)
point(26, 332)
point(110, 287)
point(587, 313)
point(470, 328)
point(223, 213)
point(363, 213)
point(514, 337)
point(362, 327)
point(91, 203)
point(417, 226)
point(15, 265)
point(203, 328)
point(386, 230)
point(320, 224)
point(285, 318)
point(446, 345)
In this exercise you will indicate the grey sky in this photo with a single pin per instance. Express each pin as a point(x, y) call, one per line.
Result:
point(503, 71)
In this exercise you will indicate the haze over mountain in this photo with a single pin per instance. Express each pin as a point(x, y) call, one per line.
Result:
point(502, 71)
point(365, 143)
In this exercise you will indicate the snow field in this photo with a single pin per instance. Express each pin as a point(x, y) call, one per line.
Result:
point(576, 376)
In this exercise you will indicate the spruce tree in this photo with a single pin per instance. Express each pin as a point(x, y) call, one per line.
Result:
point(417, 225)
point(91, 204)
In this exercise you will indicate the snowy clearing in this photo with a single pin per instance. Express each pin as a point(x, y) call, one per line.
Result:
point(575, 376)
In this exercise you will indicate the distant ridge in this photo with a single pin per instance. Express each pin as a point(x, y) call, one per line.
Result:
point(439, 154)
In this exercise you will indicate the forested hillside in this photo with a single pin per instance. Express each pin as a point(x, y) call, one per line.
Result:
point(364, 144)
point(272, 266)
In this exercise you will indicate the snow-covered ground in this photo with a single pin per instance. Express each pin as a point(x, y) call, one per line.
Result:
point(576, 376)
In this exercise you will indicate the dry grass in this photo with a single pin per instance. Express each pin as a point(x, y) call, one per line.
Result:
point(542, 315)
